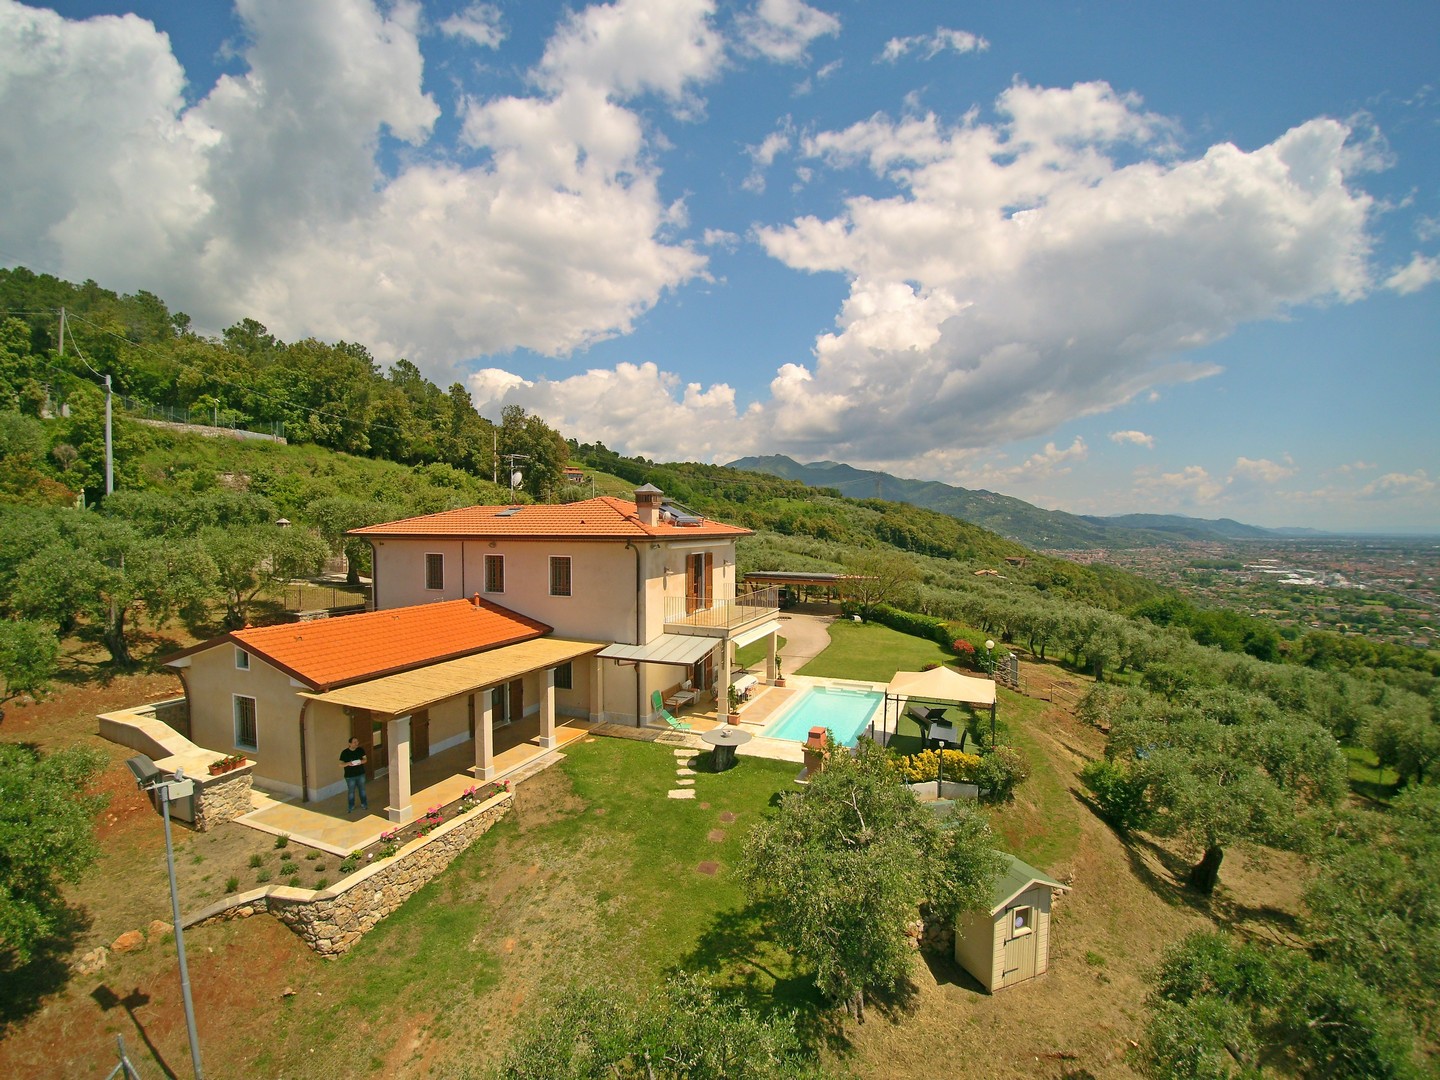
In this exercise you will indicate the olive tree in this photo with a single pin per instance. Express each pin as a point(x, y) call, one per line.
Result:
point(845, 864)
point(46, 837)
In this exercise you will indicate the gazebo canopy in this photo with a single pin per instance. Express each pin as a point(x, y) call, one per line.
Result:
point(942, 684)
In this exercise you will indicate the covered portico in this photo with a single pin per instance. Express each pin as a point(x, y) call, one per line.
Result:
point(396, 699)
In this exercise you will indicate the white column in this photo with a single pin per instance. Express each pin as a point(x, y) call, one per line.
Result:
point(400, 810)
point(547, 709)
point(597, 690)
point(770, 669)
point(485, 738)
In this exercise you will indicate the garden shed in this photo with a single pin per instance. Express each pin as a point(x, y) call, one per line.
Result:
point(1010, 943)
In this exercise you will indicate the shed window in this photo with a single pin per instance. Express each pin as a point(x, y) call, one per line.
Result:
point(434, 571)
point(559, 575)
point(1022, 921)
point(495, 573)
point(565, 677)
point(246, 734)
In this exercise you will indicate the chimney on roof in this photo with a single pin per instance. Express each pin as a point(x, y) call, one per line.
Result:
point(475, 600)
point(647, 504)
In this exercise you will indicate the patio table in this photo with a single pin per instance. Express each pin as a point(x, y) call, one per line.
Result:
point(725, 740)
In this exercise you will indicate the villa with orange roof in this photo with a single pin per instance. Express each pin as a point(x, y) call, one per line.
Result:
point(483, 618)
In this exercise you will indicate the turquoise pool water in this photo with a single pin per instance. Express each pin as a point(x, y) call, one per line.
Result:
point(845, 712)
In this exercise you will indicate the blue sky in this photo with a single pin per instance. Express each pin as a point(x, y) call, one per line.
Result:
point(1106, 258)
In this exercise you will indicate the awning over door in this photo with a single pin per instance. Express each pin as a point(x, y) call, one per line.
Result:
point(677, 649)
point(755, 633)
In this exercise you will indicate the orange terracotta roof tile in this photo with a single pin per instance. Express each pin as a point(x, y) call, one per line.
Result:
point(602, 518)
point(328, 653)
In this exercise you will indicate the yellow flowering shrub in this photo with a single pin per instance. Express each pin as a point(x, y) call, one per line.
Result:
point(922, 766)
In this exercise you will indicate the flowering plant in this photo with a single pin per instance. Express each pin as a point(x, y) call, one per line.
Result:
point(961, 647)
point(430, 821)
point(226, 763)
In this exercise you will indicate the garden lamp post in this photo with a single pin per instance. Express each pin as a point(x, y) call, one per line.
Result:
point(152, 781)
point(990, 657)
point(940, 768)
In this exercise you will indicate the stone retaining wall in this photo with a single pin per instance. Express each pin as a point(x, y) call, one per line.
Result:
point(332, 920)
point(932, 934)
point(222, 798)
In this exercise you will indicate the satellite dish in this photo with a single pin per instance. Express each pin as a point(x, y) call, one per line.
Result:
point(515, 478)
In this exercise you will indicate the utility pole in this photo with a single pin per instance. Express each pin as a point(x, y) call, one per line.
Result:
point(109, 437)
point(109, 446)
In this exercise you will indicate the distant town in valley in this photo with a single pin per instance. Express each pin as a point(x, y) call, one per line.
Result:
point(1387, 589)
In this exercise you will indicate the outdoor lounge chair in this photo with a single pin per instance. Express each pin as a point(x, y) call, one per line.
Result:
point(659, 707)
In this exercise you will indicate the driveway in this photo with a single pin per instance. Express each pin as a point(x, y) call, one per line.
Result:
point(806, 637)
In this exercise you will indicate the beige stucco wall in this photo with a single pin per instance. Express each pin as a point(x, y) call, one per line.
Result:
point(601, 607)
point(212, 681)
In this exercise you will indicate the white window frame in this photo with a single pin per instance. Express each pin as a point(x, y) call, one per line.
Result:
point(235, 701)
point(1026, 927)
point(500, 561)
point(569, 575)
point(242, 659)
point(435, 555)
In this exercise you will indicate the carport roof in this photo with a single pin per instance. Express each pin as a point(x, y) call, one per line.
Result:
point(410, 691)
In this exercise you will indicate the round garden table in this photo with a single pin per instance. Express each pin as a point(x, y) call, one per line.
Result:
point(725, 739)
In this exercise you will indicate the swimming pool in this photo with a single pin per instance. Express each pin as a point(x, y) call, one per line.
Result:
point(845, 712)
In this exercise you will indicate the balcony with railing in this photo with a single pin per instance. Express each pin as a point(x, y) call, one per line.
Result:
point(721, 617)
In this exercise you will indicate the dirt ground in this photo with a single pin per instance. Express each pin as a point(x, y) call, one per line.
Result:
point(252, 979)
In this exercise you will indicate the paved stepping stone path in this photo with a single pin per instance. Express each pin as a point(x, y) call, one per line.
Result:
point(684, 784)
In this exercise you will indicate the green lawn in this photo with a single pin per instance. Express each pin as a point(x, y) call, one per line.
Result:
point(615, 872)
point(872, 652)
point(754, 653)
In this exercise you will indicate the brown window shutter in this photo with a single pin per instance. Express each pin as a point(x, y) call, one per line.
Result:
point(709, 579)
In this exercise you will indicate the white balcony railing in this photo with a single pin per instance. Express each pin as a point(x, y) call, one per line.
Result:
point(721, 616)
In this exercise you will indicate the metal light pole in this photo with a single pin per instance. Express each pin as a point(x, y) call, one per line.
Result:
point(150, 779)
point(940, 770)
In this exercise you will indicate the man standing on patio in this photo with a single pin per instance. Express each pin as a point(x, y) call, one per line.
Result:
point(353, 758)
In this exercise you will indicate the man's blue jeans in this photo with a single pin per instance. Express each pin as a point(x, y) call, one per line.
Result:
point(355, 785)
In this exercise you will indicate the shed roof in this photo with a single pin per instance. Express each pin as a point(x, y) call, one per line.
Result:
point(328, 653)
point(1016, 878)
point(602, 518)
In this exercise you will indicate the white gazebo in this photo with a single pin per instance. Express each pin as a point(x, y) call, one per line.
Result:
point(942, 685)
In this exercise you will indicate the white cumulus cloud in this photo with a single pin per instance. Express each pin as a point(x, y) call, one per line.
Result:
point(265, 197)
point(1261, 470)
point(1399, 485)
point(932, 45)
point(783, 29)
point(1420, 271)
point(478, 23)
point(1136, 438)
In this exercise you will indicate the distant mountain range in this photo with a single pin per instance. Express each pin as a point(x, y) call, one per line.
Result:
point(1010, 517)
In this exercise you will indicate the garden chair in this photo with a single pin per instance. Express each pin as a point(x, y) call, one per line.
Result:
point(659, 707)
